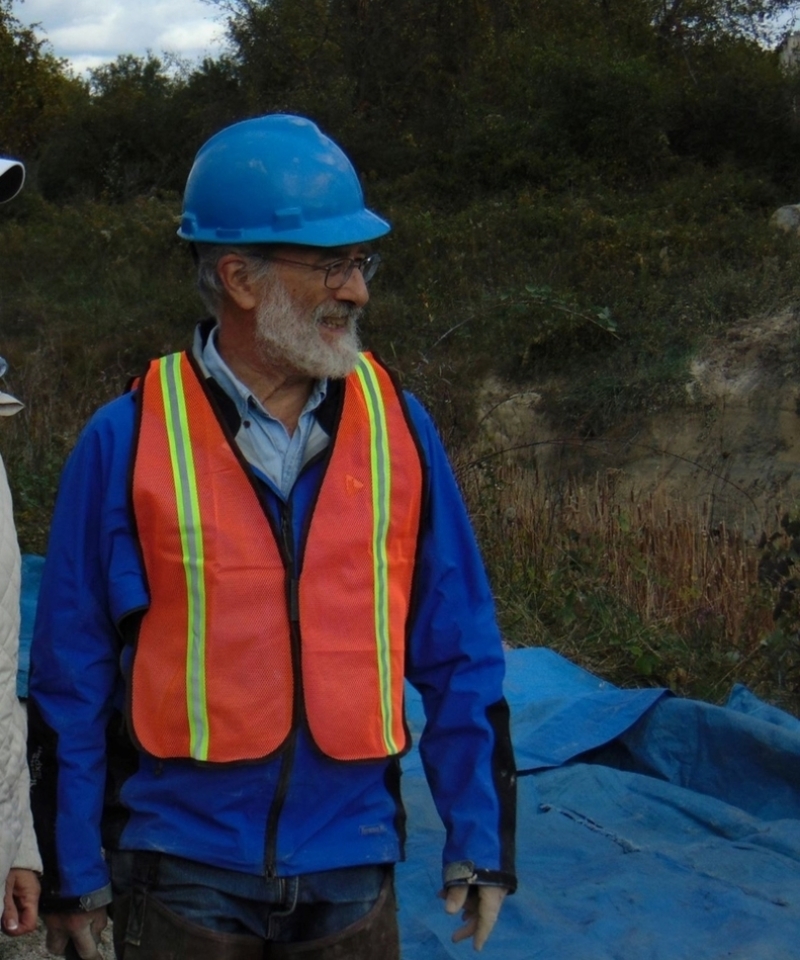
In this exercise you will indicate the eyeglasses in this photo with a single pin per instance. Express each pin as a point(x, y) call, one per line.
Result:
point(339, 272)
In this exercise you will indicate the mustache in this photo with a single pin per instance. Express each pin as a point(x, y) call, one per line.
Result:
point(341, 311)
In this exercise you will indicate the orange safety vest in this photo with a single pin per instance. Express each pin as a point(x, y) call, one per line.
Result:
point(214, 675)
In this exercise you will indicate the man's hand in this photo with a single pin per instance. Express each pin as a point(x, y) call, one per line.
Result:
point(83, 929)
point(481, 907)
point(20, 903)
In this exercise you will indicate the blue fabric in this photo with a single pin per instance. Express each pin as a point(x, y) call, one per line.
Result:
point(559, 710)
point(679, 839)
point(93, 578)
point(262, 438)
point(31, 578)
point(684, 843)
point(743, 701)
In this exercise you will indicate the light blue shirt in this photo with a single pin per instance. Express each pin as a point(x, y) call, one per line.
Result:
point(263, 440)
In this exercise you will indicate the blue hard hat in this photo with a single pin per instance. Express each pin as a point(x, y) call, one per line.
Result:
point(276, 179)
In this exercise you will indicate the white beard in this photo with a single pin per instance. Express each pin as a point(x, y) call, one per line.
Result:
point(291, 338)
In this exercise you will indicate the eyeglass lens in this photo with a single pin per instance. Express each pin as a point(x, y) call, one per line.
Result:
point(340, 272)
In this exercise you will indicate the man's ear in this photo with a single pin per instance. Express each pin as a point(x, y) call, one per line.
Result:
point(236, 280)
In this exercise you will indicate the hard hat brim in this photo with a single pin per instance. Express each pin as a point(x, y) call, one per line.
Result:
point(9, 405)
point(12, 177)
point(346, 231)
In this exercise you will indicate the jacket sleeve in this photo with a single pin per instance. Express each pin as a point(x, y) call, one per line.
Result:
point(75, 681)
point(456, 661)
point(28, 856)
point(17, 841)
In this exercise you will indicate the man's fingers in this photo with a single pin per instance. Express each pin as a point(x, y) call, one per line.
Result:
point(462, 898)
point(490, 899)
point(85, 943)
point(465, 932)
point(455, 898)
point(56, 942)
point(481, 908)
point(82, 929)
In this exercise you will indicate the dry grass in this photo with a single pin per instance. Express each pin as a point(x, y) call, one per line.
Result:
point(664, 560)
point(639, 589)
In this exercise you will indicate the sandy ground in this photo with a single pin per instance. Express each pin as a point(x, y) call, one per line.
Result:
point(32, 946)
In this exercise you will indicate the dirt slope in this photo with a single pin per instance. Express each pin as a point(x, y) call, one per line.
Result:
point(735, 442)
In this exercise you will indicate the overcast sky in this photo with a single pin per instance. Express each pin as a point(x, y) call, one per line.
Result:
point(92, 32)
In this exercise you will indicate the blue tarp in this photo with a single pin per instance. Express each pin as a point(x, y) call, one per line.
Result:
point(650, 827)
point(31, 578)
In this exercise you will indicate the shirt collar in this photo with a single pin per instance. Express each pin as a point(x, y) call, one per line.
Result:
point(205, 349)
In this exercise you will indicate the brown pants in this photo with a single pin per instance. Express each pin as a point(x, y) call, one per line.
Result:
point(146, 930)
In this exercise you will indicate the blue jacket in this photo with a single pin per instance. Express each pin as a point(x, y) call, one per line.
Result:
point(298, 812)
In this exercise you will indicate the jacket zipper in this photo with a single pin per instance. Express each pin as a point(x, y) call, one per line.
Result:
point(287, 759)
point(270, 853)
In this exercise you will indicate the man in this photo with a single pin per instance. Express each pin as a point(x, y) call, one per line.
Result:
point(19, 856)
point(250, 553)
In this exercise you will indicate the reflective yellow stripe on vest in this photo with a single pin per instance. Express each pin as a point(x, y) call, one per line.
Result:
point(215, 668)
point(191, 533)
point(381, 490)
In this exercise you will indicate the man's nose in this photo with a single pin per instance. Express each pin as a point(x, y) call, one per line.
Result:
point(355, 290)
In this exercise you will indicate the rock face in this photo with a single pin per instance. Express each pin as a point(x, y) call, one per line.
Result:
point(735, 444)
point(787, 218)
point(789, 52)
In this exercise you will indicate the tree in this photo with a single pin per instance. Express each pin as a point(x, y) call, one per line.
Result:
point(127, 136)
point(384, 76)
point(35, 87)
point(684, 21)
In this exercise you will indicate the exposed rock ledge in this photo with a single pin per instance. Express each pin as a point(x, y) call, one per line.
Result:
point(736, 443)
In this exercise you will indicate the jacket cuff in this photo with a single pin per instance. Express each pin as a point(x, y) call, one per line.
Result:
point(465, 871)
point(28, 857)
point(89, 901)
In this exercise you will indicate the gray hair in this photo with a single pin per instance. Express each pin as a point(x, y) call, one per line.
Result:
point(209, 285)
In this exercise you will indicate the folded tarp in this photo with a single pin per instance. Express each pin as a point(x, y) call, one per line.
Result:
point(669, 830)
point(650, 827)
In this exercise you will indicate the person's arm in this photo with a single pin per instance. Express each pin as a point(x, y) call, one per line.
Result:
point(21, 901)
point(21, 886)
point(74, 667)
point(456, 660)
point(28, 856)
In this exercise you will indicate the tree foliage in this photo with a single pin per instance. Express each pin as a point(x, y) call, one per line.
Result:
point(35, 88)
point(701, 21)
point(455, 94)
point(441, 98)
point(136, 127)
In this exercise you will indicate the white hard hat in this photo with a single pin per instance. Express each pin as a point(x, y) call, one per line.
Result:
point(8, 405)
point(12, 176)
